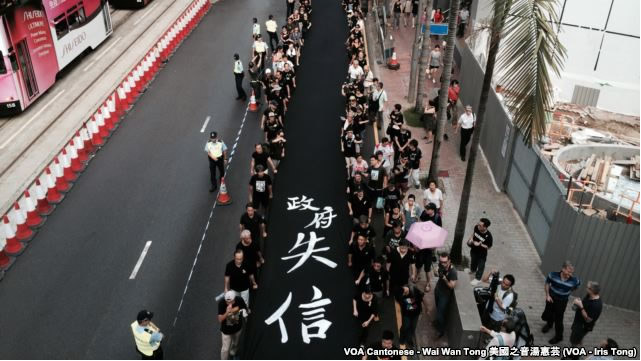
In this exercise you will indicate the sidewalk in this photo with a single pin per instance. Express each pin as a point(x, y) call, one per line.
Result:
point(513, 250)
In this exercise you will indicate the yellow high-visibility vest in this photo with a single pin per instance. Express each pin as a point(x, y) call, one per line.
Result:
point(143, 341)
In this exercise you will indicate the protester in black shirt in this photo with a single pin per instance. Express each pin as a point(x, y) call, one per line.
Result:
point(393, 239)
point(360, 256)
point(479, 242)
point(391, 197)
point(230, 316)
point(401, 266)
point(239, 276)
point(363, 228)
point(365, 310)
point(410, 300)
point(377, 178)
point(253, 222)
point(359, 205)
point(444, 289)
point(251, 251)
point(587, 312)
point(400, 141)
point(355, 183)
point(261, 157)
point(386, 343)
point(414, 155)
point(377, 278)
point(260, 189)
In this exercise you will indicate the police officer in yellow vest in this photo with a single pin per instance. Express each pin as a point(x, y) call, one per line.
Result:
point(217, 154)
point(147, 336)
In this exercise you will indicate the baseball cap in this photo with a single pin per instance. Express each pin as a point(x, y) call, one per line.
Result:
point(230, 295)
point(213, 135)
point(144, 315)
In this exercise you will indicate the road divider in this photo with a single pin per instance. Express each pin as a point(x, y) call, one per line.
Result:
point(21, 222)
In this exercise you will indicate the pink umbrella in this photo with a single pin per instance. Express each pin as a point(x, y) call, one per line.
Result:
point(426, 235)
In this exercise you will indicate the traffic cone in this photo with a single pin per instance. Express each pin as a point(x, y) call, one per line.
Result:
point(5, 261)
point(69, 174)
point(393, 63)
point(33, 218)
point(86, 138)
point(53, 196)
point(23, 232)
point(62, 185)
point(43, 207)
point(223, 197)
point(79, 144)
point(76, 165)
point(13, 247)
point(253, 106)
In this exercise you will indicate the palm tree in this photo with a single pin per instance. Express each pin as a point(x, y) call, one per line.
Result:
point(422, 68)
point(530, 52)
point(448, 59)
point(416, 48)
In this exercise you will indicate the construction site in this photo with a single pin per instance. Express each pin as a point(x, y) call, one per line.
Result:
point(597, 153)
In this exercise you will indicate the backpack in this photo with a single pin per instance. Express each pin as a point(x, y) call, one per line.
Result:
point(514, 298)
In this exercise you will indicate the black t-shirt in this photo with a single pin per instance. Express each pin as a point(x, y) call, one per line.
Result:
point(360, 207)
point(251, 254)
point(289, 76)
point(401, 173)
point(365, 309)
point(252, 224)
point(375, 279)
point(441, 287)
point(403, 138)
point(276, 149)
point(376, 176)
point(260, 159)
point(484, 238)
point(260, 185)
point(238, 276)
point(269, 110)
point(361, 258)
point(593, 309)
point(368, 232)
point(399, 270)
point(396, 118)
point(413, 157)
point(234, 322)
point(353, 186)
point(392, 240)
point(392, 197)
point(436, 219)
point(412, 303)
point(272, 129)
point(349, 145)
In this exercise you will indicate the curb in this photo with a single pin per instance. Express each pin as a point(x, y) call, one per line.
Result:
point(49, 187)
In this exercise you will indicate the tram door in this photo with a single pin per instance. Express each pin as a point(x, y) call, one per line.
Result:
point(26, 69)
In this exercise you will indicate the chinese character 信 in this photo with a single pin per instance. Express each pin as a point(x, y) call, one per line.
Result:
point(314, 312)
point(309, 252)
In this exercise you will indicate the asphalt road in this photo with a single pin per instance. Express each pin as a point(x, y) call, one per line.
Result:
point(69, 295)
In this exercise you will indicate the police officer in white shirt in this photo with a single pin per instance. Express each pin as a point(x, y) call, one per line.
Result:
point(239, 74)
point(260, 51)
point(466, 123)
point(272, 31)
point(217, 155)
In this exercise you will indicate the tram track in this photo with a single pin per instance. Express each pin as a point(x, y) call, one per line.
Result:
point(78, 94)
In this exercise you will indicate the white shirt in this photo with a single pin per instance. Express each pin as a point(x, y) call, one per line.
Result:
point(260, 46)
point(466, 121)
point(388, 154)
point(355, 72)
point(382, 98)
point(369, 79)
point(508, 339)
point(238, 67)
point(256, 29)
point(271, 26)
point(464, 14)
point(436, 197)
point(497, 313)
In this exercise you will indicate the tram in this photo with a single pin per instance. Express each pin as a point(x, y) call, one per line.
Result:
point(129, 4)
point(38, 38)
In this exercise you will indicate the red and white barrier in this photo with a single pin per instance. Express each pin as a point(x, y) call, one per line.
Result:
point(13, 246)
point(44, 207)
point(23, 232)
point(34, 220)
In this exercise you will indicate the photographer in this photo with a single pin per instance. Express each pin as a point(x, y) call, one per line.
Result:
point(503, 297)
point(504, 337)
point(444, 288)
point(586, 312)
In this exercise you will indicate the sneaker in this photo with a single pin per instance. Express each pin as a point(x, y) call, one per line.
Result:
point(546, 328)
point(475, 282)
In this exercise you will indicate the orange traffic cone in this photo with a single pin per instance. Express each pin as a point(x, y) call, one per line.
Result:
point(393, 63)
point(223, 197)
point(253, 106)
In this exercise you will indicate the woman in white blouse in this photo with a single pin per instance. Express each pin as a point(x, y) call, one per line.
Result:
point(433, 195)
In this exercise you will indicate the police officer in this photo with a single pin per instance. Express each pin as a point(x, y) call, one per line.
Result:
point(147, 336)
point(239, 74)
point(217, 155)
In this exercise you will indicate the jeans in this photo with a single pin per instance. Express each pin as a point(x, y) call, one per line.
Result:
point(397, 20)
point(220, 164)
point(229, 345)
point(466, 135)
point(244, 295)
point(414, 178)
point(553, 314)
point(442, 301)
point(477, 264)
point(408, 329)
point(290, 8)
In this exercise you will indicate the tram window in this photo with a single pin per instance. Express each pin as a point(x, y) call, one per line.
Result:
point(3, 67)
point(61, 26)
point(76, 18)
point(13, 60)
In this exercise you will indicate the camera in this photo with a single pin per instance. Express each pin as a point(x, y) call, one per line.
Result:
point(441, 271)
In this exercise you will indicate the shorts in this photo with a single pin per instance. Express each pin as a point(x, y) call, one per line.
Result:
point(403, 186)
point(257, 201)
point(424, 259)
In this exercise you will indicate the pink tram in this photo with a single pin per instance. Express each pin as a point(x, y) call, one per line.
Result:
point(38, 38)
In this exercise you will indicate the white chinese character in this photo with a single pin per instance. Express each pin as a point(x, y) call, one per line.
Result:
point(504, 351)
point(555, 351)
point(309, 252)
point(278, 315)
point(316, 312)
point(303, 204)
point(525, 351)
point(545, 351)
point(494, 351)
point(323, 219)
point(534, 351)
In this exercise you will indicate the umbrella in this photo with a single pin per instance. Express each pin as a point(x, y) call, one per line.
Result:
point(426, 235)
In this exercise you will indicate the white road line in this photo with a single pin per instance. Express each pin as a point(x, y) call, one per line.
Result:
point(202, 130)
point(211, 214)
point(139, 263)
point(146, 13)
point(102, 54)
point(31, 119)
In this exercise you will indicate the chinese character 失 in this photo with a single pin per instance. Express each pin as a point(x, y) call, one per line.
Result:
point(309, 252)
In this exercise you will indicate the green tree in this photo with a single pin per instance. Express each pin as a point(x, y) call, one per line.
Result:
point(530, 52)
point(422, 65)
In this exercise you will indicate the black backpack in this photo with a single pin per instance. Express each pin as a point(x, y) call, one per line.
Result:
point(515, 298)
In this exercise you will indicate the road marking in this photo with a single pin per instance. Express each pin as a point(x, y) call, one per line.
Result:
point(211, 214)
point(139, 263)
point(202, 130)
point(102, 54)
point(146, 13)
point(31, 119)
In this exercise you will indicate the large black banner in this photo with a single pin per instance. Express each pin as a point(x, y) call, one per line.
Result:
point(303, 306)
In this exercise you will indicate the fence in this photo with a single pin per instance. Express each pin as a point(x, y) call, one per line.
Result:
point(557, 231)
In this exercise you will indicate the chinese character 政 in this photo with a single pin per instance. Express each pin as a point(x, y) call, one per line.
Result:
point(301, 204)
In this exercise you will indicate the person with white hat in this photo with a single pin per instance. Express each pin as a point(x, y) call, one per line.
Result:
point(217, 155)
point(231, 310)
point(147, 336)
